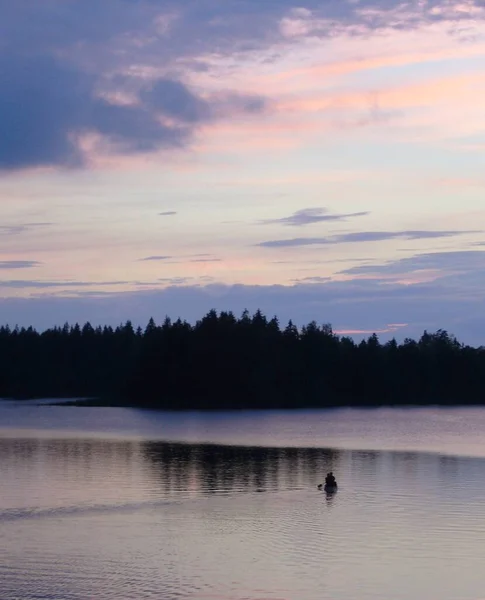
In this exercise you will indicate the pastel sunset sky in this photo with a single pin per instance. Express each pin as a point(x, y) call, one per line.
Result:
point(318, 160)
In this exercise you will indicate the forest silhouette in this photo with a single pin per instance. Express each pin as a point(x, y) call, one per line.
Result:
point(225, 362)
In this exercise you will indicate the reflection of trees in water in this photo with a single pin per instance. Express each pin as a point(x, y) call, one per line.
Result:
point(408, 464)
point(372, 465)
point(64, 455)
point(366, 462)
point(449, 465)
point(223, 468)
point(171, 468)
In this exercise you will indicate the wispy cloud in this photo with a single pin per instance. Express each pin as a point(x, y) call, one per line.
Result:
point(156, 258)
point(388, 329)
point(205, 260)
point(310, 280)
point(309, 216)
point(182, 259)
point(362, 237)
point(175, 280)
point(348, 305)
point(19, 264)
point(439, 263)
point(40, 284)
point(19, 228)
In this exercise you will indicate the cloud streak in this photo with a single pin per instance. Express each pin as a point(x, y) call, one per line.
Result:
point(40, 284)
point(348, 305)
point(309, 216)
point(155, 258)
point(192, 258)
point(362, 237)
point(443, 263)
point(18, 264)
point(21, 228)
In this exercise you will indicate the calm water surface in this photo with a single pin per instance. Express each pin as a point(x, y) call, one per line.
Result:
point(105, 504)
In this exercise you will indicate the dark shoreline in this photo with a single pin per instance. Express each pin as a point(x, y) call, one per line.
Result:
point(100, 403)
point(227, 363)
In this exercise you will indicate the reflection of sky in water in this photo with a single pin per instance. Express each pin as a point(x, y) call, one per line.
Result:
point(93, 518)
point(447, 431)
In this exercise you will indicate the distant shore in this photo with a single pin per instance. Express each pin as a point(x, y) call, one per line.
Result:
point(227, 363)
point(113, 403)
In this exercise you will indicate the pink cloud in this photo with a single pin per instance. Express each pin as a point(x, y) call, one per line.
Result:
point(442, 107)
point(379, 61)
point(412, 278)
point(310, 61)
point(390, 328)
point(444, 90)
point(314, 99)
point(460, 182)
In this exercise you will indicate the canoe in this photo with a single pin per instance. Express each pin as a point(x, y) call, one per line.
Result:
point(330, 489)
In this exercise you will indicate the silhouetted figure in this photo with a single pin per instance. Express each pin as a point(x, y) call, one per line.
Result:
point(330, 482)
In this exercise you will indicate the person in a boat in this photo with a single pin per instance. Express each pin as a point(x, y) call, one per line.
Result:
point(330, 479)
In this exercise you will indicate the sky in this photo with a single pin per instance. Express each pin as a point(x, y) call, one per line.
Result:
point(322, 160)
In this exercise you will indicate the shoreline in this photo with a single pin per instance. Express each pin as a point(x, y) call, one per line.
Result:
point(106, 403)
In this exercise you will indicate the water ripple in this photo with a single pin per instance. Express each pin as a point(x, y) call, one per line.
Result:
point(92, 519)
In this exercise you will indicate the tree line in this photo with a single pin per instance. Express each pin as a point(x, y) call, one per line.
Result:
point(226, 362)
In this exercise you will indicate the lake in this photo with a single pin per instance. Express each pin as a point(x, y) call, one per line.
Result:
point(110, 503)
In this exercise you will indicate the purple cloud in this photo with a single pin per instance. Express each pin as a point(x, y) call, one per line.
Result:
point(448, 262)
point(21, 228)
point(315, 279)
point(40, 284)
point(349, 305)
point(175, 280)
point(361, 237)
point(41, 120)
point(62, 63)
point(156, 258)
point(191, 258)
point(18, 264)
point(309, 216)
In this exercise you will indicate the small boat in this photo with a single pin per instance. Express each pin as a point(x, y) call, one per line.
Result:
point(328, 487)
